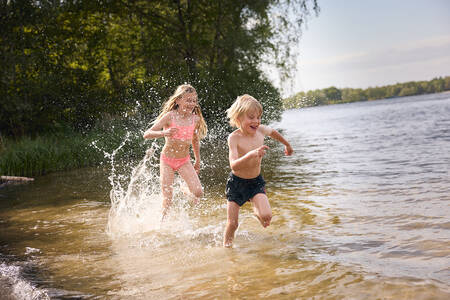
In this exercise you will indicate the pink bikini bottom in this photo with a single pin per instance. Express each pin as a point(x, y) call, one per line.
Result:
point(174, 163)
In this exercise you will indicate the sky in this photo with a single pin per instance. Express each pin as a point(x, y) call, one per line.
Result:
point(366, 43)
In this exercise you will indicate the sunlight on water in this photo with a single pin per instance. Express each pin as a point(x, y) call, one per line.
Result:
point(360, 211)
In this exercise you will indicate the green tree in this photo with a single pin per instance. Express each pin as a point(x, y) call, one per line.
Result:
point(447, 83)
point(332, 94)
point(438, 84)
point(73, 62)
point(316, 97)
point(352, 95)
point(409, 89)
point(375, 93)
point(393, 90)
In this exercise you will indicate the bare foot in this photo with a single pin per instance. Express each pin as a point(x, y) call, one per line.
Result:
point(228, 245)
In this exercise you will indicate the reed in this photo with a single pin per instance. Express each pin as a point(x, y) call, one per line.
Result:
point(44, 154)
point(65, 149)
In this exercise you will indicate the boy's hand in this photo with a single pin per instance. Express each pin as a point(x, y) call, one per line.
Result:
point(261, 151)
point(288, 150)
point(169, 132)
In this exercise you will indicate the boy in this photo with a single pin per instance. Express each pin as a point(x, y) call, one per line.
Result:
point(246, 150)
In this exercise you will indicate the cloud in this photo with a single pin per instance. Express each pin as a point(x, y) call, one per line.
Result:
point(421, 51)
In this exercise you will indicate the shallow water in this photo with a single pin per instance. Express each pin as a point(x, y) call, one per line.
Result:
point(361, 211)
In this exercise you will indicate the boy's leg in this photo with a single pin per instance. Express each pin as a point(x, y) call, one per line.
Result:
point(262, 209)
point(166, 176)
point(232, 223)
point(187, 172)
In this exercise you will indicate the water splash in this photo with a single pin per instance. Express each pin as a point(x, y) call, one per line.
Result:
point(137, 208)
point(136, 197)
point(15, 286)
point(136, 200)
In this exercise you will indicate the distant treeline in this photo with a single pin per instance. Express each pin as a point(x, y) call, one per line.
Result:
point(76, 62)
point(333, 95)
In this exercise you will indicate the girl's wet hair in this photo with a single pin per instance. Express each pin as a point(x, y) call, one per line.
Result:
point(243, 104)
point(187, 88)
point(171, 104)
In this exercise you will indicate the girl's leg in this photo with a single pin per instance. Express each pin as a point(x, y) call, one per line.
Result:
point(232, 223)
point(187, 172)
point(262, 209)
point(166, 176)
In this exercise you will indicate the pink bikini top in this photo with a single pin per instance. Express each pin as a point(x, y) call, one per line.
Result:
point(184, 133)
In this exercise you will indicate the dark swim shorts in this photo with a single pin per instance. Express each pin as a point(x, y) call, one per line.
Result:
point(241, 190)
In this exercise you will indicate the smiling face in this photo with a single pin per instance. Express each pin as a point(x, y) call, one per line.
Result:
point(250, 121)
point(187, 102)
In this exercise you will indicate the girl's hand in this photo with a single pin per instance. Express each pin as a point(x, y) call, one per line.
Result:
point(261, 151)
point(170, 132)
point(288, 150)
point(197, 166)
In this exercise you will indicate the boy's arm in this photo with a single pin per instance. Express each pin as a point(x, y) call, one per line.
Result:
point(277, 136)
point(156, 130)
point(237, 163)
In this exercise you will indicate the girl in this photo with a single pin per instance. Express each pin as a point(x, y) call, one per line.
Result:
point(181, 123)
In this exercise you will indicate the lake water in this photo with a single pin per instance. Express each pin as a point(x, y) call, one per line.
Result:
point(361, 211)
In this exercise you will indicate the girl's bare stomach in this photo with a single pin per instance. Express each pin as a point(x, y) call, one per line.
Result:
point(176, 148)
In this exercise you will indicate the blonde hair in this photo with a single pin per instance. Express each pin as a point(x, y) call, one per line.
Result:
point(243, 104)
point(171, 104)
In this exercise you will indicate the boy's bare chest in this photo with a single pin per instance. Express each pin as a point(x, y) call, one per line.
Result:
point(246, 144)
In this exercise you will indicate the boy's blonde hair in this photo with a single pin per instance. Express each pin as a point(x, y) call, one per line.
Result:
point(171, 104)
point(243, 104)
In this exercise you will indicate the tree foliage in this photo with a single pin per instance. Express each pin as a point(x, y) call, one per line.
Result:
point(77, 61)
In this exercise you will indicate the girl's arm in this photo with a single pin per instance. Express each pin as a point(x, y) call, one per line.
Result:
point(156, 130)
point(196, 149)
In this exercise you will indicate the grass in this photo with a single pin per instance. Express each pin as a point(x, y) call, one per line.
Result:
point(44, 154)
point(64, 151)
